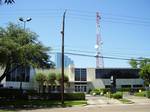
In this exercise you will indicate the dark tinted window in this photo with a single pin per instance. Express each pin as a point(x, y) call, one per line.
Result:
point(117, 73)
point(20, 74)
point(80, 75)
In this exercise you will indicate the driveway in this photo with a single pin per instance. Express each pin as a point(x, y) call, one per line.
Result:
point(100, 100)
point(137, 100)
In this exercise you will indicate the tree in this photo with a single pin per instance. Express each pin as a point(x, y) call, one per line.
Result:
point(133, 63)
point(19, 47)
point(51, 80)
point(144, 65)
point(145, 74)
point(7, 1)
point(59, 78)
point(41, 79)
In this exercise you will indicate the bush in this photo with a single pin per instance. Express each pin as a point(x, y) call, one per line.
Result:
point(57, 96)
point(95, 92)
point(99, 91)
point(10, 93)
point(117, 95)
point(143, 94)
point(148, 94)
point(74, 96)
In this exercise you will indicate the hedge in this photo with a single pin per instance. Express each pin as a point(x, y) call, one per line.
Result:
point(8, 93)
point(117, 95)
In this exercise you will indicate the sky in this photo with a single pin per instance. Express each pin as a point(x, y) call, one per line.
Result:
point(124, 27)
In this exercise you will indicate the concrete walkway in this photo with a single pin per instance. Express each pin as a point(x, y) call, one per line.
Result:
point(100, 100)
point(138, 100)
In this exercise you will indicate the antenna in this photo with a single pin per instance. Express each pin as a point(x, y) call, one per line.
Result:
point(98, 46)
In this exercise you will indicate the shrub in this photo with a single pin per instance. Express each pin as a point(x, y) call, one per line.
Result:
point(10, 93)
point(57, 96)
point(148, 94)
point(143, 94)
point(95, 92)
point(117, 95)
point(99, 91)
point(74, 96)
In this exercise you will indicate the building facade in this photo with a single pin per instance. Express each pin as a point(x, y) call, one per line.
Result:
point(21, 77)
point(80, 79)
point(85, 79)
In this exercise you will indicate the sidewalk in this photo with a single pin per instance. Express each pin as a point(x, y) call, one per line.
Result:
point(138, 100)
point(100, 100)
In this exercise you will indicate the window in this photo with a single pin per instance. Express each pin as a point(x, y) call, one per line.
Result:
point(126, 86)
point(20, 74)
point(80, 75)
point(137, 86)
point(117, 73)
point(80, 88)
point(107, 86)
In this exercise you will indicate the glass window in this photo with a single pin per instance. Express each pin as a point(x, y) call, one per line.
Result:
point(118, 73)
point(77, 74)
point(20, 74)
point(80, 75)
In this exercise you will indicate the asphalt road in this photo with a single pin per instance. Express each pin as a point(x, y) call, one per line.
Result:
point(110, 108)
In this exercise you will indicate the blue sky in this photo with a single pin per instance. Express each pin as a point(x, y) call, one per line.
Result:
point(124, 26)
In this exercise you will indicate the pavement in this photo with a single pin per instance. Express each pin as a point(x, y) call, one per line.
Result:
point(110, 108)
point(103, 104)
point(100, 100)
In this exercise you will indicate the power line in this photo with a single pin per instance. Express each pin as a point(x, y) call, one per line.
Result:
point(105, 57)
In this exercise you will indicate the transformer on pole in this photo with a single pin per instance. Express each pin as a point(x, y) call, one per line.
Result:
point(98, 46)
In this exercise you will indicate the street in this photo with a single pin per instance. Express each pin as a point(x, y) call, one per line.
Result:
point(108, 108)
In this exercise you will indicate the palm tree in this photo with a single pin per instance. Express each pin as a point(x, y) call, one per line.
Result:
point(59, 78)
point(41, 79)
point(51, 80)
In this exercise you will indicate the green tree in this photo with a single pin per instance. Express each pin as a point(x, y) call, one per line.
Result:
point(133, 63)
point(144, 65)
point(51, 80)
point(41, 79)
point(59, 78)
point(19, 47)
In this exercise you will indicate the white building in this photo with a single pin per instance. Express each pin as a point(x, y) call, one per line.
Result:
point(81, 79)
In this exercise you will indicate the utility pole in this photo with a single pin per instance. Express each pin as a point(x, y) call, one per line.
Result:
point(62, 59)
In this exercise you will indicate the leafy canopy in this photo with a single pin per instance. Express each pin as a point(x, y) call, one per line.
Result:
point(19, 46)
point(144, 65)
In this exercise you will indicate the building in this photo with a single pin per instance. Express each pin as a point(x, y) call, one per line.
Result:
point(67, 61)
point(80, 79)
point(85, 79)
point(22, 76)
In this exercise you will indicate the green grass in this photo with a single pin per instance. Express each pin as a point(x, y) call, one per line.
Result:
point(126, 101)
point(6, 111)
point(41, 103)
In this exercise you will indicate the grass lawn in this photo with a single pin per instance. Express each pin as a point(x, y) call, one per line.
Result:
point(126, 101)
point(40, 104)
point(6, 111)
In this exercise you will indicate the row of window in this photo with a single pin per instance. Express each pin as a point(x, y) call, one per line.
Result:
point(20, 74)
point(126, 86)
point(81, 74)
point(117, 73)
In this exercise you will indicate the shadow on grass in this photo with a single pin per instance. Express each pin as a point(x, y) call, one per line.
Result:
point(37, 104)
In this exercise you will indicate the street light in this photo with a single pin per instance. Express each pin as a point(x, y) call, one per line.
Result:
point(24, 22)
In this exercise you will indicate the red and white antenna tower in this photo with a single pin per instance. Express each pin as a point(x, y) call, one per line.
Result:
point(98, 46)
